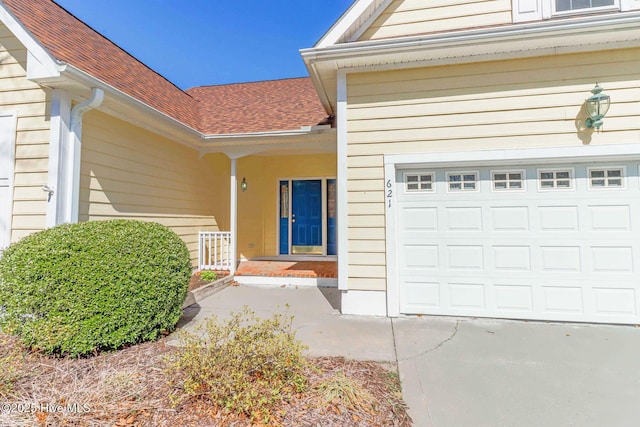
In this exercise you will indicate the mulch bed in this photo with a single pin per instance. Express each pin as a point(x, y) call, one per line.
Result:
point(131, 388)
point(197, 282)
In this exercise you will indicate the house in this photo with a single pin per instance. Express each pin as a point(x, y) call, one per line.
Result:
point(442, 150)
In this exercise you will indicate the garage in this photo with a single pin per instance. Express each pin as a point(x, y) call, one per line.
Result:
point(535, 239)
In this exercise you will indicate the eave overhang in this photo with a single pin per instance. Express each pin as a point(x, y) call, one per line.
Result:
point(581, 34)
point(306, 140)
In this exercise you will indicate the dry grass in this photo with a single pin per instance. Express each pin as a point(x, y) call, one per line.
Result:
point(131, 388)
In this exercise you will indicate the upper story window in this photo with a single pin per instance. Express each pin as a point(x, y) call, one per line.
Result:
point(577, 5)
point(538, 10)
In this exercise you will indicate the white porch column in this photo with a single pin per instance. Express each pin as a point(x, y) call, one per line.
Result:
point(59, 195)
point(233, 217)
point(342, 207)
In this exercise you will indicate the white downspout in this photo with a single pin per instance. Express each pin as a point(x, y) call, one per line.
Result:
point(73, 159)
point(233, 219)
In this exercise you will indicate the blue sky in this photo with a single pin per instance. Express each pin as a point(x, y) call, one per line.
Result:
point(201, 42)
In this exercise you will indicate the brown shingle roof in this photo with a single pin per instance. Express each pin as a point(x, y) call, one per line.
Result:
point(269, 105)
point(248, 107)
point(72, 41)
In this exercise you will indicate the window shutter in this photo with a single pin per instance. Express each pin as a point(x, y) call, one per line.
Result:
point(527, 10)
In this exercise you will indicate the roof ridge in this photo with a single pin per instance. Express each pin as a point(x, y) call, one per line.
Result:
point(248, 83)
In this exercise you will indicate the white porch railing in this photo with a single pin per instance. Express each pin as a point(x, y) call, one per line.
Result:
point(214, 250)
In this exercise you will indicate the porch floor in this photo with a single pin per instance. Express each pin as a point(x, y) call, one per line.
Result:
point(313, 269)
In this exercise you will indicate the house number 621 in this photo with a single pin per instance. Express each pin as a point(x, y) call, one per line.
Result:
point(389, 192)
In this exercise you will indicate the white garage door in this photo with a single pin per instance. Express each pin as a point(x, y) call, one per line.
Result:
point(529, 242)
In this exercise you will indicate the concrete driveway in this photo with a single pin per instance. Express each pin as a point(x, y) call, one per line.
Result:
point(469, 372)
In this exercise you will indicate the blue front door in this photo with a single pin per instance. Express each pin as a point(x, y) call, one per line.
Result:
point(306, 217)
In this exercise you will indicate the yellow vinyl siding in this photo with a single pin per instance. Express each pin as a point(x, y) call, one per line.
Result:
point(30, 102)
point(412, 17)
point(258, 207)
point(536, 102)
point(128, 172)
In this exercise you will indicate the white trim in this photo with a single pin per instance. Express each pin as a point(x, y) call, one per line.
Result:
point(364, 303)
point(571, 179)
point(517, 156)
point(607, 168)
point(626, 5)
point(58, 197)
point(418, 173)
point(342, 211)
point(370, 20)
point(40, 64)
point(8, 162)
point(597, 9)
point(233, 214)
point(509, 189)
point(462, 182)
point(345, 22)
point(393, 288)
point(582, 25)
point(323, 282)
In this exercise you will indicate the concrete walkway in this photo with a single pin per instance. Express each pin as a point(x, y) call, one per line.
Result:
point(468, 372)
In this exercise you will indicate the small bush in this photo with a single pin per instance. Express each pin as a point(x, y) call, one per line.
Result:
point(208, 276)
point(345, 391)
point(244, 365)
point(100, 285)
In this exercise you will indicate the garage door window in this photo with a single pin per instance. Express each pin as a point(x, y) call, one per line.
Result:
point(561, 179)
point(606, 178)
point(508, 180)
point(419, 181)
point(462, 181)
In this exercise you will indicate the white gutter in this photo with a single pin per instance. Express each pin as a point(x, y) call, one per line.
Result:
point(589, 24)
point(74, 148)
point(305, 130)
point(85, 79)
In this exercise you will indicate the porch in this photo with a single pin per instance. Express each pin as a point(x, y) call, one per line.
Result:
point(214, 253)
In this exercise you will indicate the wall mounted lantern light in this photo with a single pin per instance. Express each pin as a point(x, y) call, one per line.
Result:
point(244, 185)
point(597, 107)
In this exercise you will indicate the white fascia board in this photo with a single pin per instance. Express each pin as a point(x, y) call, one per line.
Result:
point(40, 63)
point(370, 20)
point(316, 138)
point(583, 153)
point(345, 23)
point(316, 79)
point(305, 130)
point(184, 134)
point(583, 25)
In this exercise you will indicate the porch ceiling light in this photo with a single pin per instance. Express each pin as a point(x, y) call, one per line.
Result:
point(597, 107)
point(244, 185)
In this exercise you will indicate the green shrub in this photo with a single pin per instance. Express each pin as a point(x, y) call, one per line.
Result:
point(99, 285)
point(208, 276)
point(244, 365)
